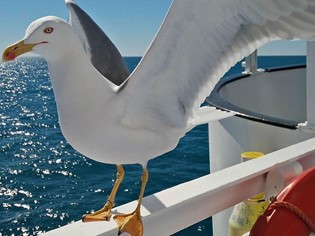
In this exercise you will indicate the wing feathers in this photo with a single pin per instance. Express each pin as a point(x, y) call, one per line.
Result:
point(199, 41)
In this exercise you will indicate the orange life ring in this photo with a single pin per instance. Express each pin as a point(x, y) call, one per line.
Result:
point(293, 211)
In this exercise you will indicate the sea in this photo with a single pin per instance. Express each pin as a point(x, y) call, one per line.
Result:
point(45, 183)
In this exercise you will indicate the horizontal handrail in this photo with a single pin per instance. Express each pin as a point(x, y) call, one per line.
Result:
point(176, 208)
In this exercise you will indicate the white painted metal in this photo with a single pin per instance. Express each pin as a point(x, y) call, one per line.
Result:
point(310, 84)
point(173, 209)
point(251, 63)
point(310, 88)
point(207, 114)
point(279, 94)
point(230, 137)
point(278, 178)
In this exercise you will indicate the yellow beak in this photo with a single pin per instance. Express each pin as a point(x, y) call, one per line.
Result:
point(17, 49)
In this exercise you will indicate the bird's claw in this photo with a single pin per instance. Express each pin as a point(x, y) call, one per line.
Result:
point(130, 223)
point(103, 214)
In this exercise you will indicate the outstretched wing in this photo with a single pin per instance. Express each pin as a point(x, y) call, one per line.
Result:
point(102, 52)
point(197, 43)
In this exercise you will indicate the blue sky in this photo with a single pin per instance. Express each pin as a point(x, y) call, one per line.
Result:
point(131, 24)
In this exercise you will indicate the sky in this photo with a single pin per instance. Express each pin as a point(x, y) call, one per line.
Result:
point(130, 24)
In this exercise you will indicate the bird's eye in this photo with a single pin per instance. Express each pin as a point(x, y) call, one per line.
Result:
point(48, 30)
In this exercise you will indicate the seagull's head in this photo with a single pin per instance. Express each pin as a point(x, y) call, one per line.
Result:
point(49, 37)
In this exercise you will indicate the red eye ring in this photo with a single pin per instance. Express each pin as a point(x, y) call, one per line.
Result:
point(48, 30)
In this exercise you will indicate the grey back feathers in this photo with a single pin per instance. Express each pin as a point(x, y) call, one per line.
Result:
point(103, 54)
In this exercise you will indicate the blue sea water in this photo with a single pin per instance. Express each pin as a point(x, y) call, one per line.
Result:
point(45, 184)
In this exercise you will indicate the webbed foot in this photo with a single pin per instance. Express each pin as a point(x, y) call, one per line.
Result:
point(130, 223)
point(103, 214)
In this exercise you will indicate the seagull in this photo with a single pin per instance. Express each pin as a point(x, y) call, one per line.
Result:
point(149, 112)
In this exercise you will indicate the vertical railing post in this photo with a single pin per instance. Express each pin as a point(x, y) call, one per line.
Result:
point(309, 125)
point(251, 63)
point(310, 84)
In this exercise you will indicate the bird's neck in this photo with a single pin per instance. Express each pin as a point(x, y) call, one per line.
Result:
point(74, 72)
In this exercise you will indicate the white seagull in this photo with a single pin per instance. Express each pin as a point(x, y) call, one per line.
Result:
point(159, 103)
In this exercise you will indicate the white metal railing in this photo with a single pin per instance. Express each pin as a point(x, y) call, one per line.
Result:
point(309, 125)
point(251, 63)
point(176, 208)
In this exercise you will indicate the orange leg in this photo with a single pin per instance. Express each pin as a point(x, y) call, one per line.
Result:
point(104, 214)
point(132, 223)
